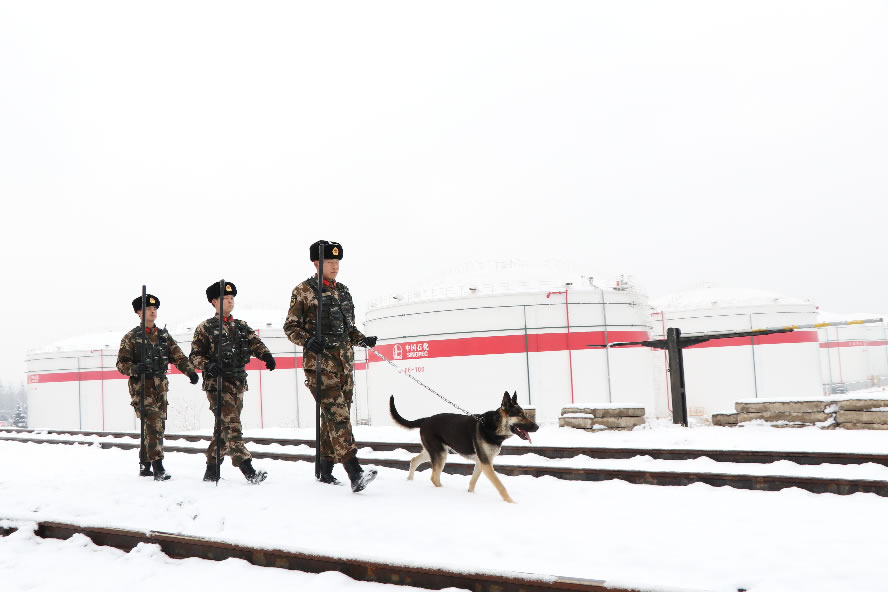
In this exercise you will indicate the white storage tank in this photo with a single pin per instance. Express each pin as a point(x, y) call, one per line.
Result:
point(720, 372)
point(74, 384)
point(471, 344)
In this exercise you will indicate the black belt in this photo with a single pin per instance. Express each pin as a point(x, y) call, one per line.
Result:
point(239, 373)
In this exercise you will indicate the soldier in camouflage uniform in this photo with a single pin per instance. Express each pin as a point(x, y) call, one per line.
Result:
point(335, 348)
point(149, 354)
point(239, 341)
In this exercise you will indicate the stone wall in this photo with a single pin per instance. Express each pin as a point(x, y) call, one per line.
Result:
point(592, 418)
point(830, 413)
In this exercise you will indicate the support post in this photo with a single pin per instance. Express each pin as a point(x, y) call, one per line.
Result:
point(676, 377)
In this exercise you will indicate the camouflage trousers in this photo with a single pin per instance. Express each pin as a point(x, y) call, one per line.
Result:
point(337, 392)
point(232, 431)
point(155, 416)
point(153, 434)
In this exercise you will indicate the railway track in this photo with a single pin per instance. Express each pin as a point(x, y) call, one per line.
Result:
point(182, 546)
point(553, 452)
point(643, 477)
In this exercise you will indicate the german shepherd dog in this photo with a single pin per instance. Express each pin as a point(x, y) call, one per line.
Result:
point(479, 440)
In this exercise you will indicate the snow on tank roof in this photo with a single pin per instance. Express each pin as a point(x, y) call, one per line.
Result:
point(480, 277)
point(256, 318)
point(83, 342)
point(504, 287)
point(724, 297)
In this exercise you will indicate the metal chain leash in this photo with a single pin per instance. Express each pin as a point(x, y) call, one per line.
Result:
point(422, 384)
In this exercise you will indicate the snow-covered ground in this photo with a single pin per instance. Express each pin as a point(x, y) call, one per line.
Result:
point(660, 538)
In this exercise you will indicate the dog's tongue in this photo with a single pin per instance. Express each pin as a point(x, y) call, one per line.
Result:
point(525, 435)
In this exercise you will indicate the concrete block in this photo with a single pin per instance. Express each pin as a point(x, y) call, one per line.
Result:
point(863, 426)
point(862, 417)
point(620, 412)
point(618, 422)
point(784, 416)
point(724, 419)
point(605, 412)
point(608, 422)
point(575, 422)
point(862, 404)
point(783, 407)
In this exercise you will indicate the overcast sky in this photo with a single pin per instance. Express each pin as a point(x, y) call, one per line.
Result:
point(743, 144)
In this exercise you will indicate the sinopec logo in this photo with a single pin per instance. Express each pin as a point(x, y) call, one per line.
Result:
point(397, 352)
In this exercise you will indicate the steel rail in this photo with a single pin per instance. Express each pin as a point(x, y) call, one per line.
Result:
point(639, 477)
point(602, 452)
point(182, 546)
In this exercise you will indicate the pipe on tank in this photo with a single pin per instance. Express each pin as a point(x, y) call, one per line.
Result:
point(754, 373)
point(569, 355)
point(607, 359)
point(526, 353)
point(666, 364)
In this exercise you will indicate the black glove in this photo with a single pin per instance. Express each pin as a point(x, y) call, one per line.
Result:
point(368, 341)
point(192, 376)
point(139, 369)
point(315, 344)
point(212, 370)
point(269, 361)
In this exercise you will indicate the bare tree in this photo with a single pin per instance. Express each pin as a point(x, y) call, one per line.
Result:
point(10, 397)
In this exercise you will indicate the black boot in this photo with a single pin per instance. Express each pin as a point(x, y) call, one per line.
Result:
point(326, 467)
point(252, 475)
point(145, 470)
point(359, 478)
point(213, 471)
point(160, 473)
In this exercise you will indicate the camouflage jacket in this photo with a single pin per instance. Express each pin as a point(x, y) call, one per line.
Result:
point(242, 342)
point(338, 324)
point(158, 346)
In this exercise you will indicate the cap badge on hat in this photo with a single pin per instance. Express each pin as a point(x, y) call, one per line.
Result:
point(335, 251)
point(151, 300)
point(228, 287)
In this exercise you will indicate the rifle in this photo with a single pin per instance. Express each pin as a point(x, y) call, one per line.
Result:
point(318, 361)
point(142, 455)
point(219, 382)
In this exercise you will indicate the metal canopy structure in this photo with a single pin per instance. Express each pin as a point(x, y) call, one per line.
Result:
point(675, 342)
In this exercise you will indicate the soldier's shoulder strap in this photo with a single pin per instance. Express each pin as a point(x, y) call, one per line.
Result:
point(205, 326)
